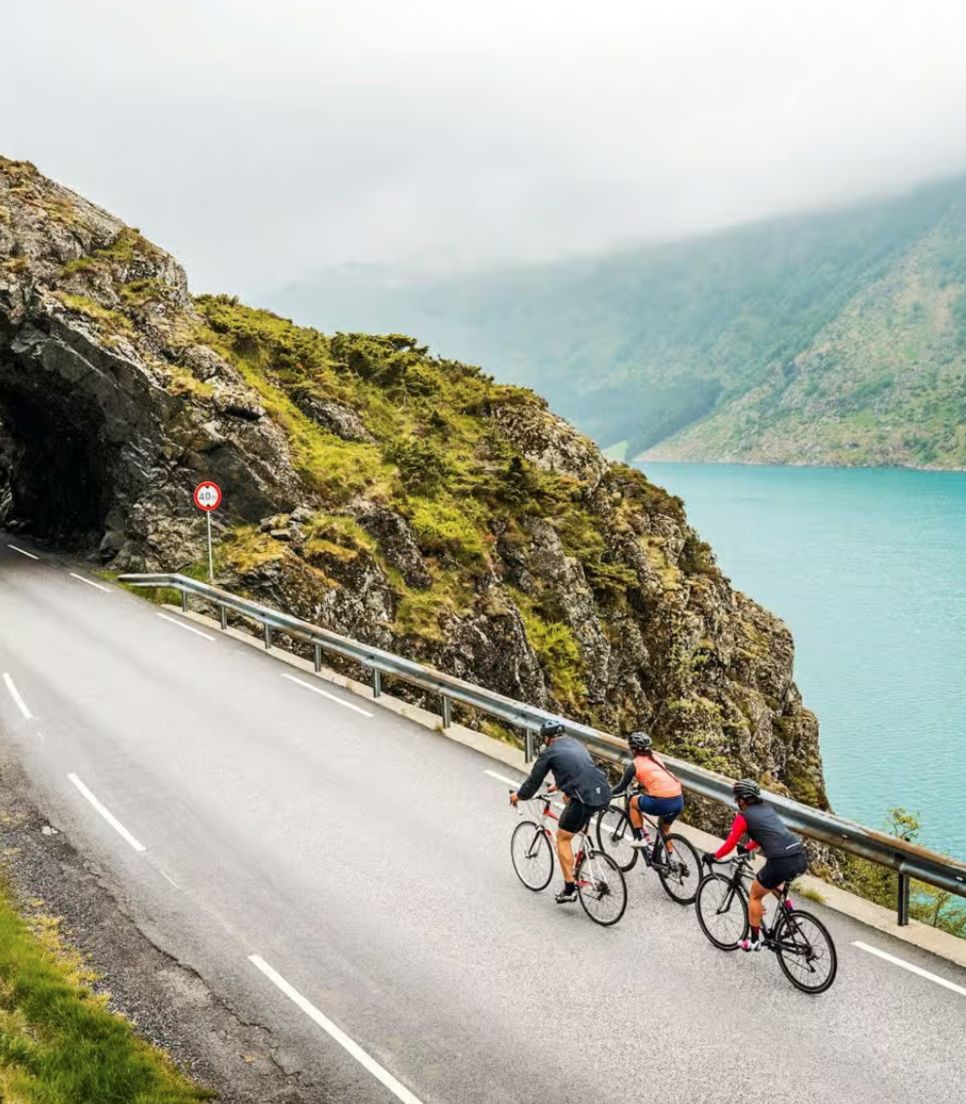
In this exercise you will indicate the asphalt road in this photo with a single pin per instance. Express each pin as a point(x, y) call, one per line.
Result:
point(342, 876)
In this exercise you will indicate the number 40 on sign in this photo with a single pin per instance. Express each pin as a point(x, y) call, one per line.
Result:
point(207, 497)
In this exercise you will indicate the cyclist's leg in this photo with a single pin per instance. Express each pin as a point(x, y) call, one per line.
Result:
point(637, 821)
point(572, 820)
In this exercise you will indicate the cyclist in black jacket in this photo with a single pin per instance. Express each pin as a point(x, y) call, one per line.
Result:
point(784, 852)
point(583, 785)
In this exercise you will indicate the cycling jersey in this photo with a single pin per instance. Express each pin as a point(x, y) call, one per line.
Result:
point(765, 829)
point(574, 772)
point(654, 777)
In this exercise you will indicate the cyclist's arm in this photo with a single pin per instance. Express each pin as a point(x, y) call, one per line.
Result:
point(738, 829)
point(540, 770)
point(626, 778)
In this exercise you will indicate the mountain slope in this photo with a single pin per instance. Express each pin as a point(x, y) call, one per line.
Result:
point(685, 350)
point(403, 499)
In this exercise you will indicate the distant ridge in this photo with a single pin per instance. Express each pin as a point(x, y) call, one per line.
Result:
point(830, 338)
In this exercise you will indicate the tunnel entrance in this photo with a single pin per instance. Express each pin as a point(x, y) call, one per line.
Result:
point(53, 470)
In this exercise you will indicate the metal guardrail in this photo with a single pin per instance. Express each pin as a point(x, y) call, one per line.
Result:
point(908, 859)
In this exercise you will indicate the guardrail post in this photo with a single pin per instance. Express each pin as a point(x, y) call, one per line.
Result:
point(902, 905)
point(268, 635)
point(376, 682)
point(527, 745)
point(447, 712)
point(318, 658)
point(223, 610)
point(184, 601)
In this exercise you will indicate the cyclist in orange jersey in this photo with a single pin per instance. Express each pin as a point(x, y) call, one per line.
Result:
point(663, 794)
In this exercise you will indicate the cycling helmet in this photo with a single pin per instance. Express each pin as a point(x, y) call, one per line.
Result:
point(747, 790)
point(550, 729)
point(639, 742)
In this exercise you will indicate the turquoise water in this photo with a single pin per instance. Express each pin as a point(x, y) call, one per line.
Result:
point(868, 568)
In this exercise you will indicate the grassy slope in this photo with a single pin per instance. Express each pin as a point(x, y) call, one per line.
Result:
point(59, 1044)
point(638, 346)
point(884, 383)
point(433, 458)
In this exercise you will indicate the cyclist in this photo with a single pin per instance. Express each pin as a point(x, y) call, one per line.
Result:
point(784, 852)
point(584, 788)
point(663, 794)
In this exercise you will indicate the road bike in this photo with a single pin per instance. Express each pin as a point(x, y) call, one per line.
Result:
point(600, 884)
point(799, 940)
point(673, 857)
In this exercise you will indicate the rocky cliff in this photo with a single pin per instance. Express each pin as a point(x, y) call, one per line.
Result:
point(397, 497)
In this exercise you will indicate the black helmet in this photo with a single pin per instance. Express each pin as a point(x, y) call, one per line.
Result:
point(549, 729)
point(747, 790)
point(639, 742)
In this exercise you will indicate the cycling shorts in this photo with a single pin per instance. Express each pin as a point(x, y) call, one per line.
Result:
point(667, 808)
point(576, 815)
point(777, 871)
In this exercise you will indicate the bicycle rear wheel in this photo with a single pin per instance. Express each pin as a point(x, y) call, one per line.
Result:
point(601, 887)
point(722, 911)
point(805, 951)
point(614, 836)
point(679, 869)
point(532, 855)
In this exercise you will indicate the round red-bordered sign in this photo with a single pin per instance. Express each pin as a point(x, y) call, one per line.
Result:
point(207, 496)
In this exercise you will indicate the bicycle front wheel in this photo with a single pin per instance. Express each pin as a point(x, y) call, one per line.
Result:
point(805, 951)
point(532, 855)
point(680, 869)
point(614, 836)
point(601, 887)
point(722, 910)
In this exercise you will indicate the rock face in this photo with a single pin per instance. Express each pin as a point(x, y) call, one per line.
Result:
point(369, 487)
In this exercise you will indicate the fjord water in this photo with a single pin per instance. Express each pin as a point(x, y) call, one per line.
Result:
point(868, 568)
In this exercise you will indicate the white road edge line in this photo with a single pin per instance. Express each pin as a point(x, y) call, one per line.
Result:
point(168, 878)
point(90, 582)
point(516, 786)
point(23, 552)
point(18, 700)
point(107, 814)
point(182, 625)
point(503, 778)
point(326, 694)
point(909, 966)
point(362, 1057)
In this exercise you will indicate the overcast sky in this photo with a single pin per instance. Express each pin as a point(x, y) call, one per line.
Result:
point(260, 141)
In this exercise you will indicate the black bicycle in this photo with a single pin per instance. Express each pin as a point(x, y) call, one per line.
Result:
point(800, 941)
point(672, 857)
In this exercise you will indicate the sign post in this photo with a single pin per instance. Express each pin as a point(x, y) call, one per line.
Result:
point(207, 497)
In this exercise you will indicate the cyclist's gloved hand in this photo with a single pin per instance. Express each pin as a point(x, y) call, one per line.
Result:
point(741, 849)
point(708, 858)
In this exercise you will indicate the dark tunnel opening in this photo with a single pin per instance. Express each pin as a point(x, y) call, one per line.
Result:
point(53, 471)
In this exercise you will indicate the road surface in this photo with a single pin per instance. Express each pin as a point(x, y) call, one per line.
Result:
point(342, 876)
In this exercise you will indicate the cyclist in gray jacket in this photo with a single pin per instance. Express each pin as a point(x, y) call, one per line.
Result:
point(584, 787)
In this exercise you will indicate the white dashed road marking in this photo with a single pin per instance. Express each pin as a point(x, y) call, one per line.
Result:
point(17, 699)
point(326, 694)
point(23, 552)
point(90, 582)
point(503, 778)
point(362, 1057)
point(909, 966)
point(107, 814)
point(182, 625)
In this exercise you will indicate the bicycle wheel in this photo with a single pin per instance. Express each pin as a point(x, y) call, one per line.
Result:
point(601, 887)
point(532, 855)
point(805, 951)
point(614, 836)
point(679, 869)
point(722, 911)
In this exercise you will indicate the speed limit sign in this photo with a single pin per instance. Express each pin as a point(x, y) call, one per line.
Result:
point(207, 496)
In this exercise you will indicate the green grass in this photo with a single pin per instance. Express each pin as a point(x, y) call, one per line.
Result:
point(59, 1043)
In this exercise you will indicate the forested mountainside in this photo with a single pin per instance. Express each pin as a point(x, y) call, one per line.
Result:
point(830, 338)
point(402, 498)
